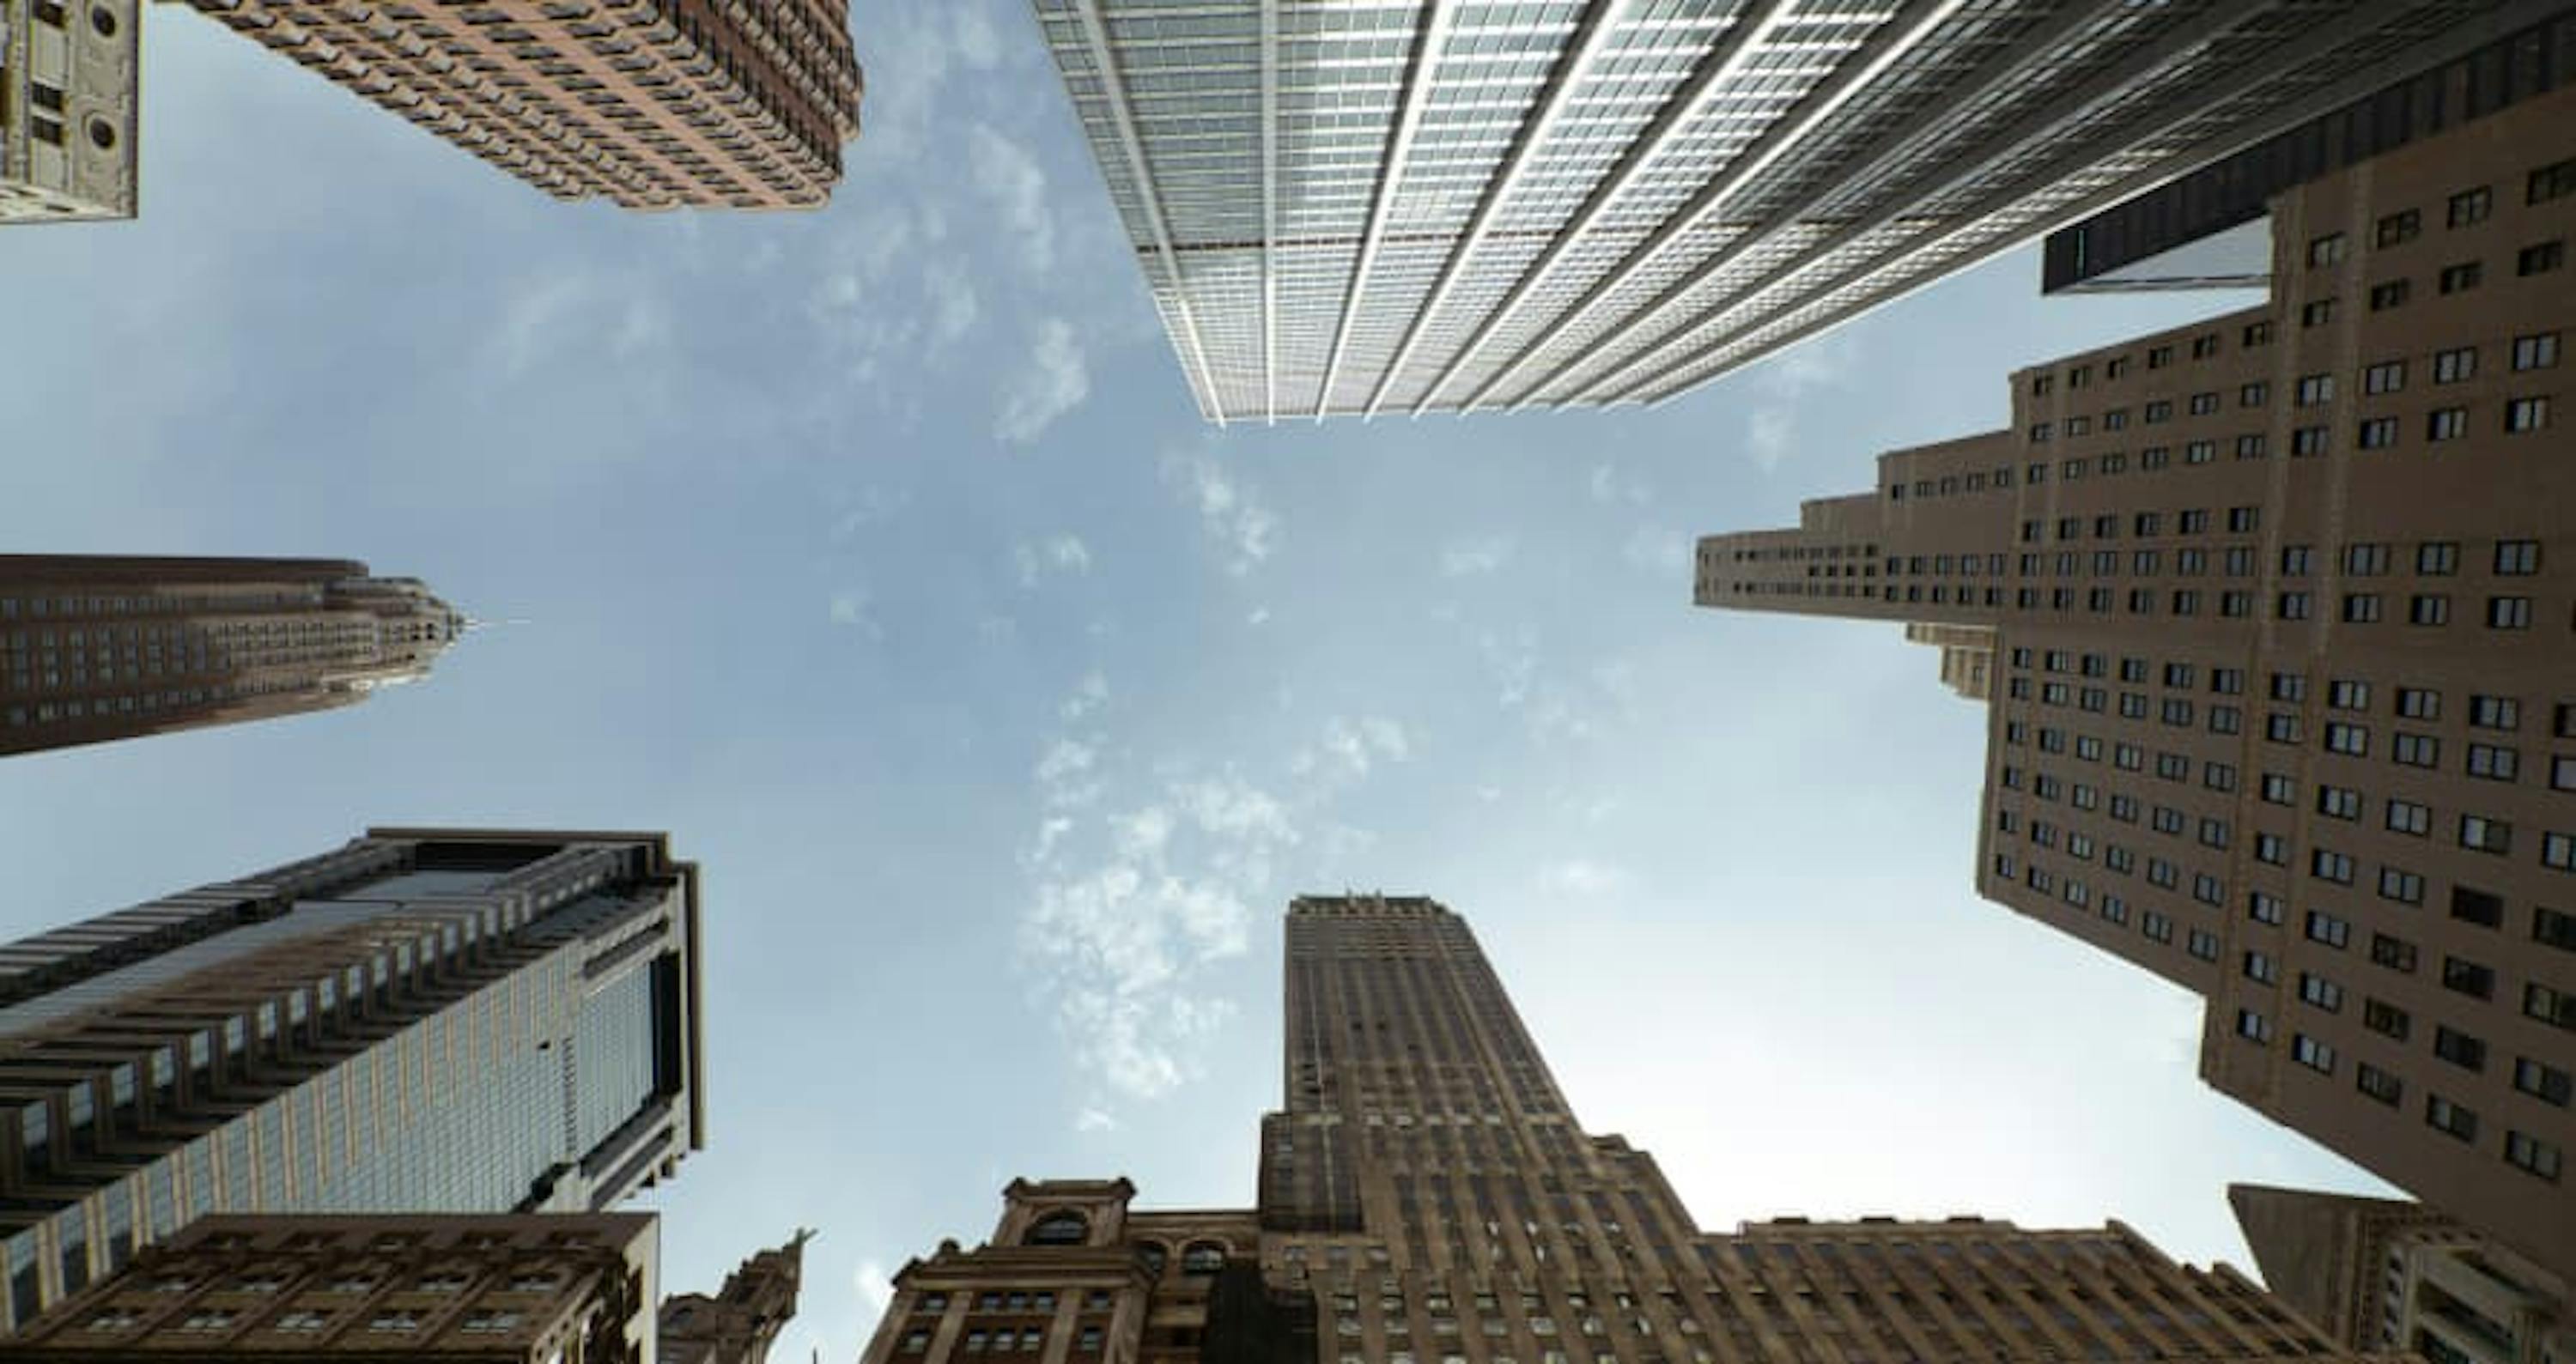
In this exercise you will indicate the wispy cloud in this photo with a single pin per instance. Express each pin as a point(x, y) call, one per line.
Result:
point(854, 608)
point(1771, 429)
point(1230, 512)
point(576, 314)
point(1466, 558)
point(1062, 553)
point(1584, 879)
point(1660, 550)
point(1054, 381)
point(1349, 748)
point(1146, 876)
point(874, 1287)
point(1008, 175)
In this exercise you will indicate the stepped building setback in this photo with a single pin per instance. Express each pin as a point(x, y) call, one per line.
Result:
point(649, 104)
point(422, 1020)
point(1426, 1194)
point(100, 647)
point(1408, 206)
point(2276, 614)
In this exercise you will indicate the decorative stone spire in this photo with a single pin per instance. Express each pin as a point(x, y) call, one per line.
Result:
point(738, 1325)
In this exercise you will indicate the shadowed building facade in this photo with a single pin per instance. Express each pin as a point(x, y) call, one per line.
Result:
point(649, 104)
point(2279, 615)
point(100, 647)
point(545, 1288)
point(1425, 1194)
point(422, 1020)
point(2384, 1274)
point(1412, 206)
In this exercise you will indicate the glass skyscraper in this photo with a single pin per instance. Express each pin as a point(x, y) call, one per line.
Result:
point(423, 1020)
point(1452, 205)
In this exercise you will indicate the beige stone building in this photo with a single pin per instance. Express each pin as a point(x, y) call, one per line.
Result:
point(2384, 1274)
point(2277, 612)
point(1427, 1197)
point(649, 104)
point(100, 647)
point(572, 1288)
point(69, 93)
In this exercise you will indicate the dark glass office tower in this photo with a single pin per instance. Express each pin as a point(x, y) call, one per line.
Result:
point(423, 1020)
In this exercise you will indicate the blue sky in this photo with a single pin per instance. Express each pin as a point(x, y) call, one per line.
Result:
point(881, 556)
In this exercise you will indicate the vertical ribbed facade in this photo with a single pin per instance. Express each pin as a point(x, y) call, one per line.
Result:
point(1445, 205)
point(1426, 1198)
point(420, 1021)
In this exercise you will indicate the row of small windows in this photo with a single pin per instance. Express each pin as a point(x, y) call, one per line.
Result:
point(2466, 208)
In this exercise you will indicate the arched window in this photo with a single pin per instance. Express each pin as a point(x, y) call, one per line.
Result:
point(1153, 1254)
point(1061, 1228)
point(1202, 1257)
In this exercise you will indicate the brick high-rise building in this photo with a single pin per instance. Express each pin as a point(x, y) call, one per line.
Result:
point(2277, 612)
point(2384, 1274)
point(1411, 207)
point(520, 1288)
point(100, 647)
point(650, 104)
point(69, 87)
point(422, 1020)
point(1425, 1194)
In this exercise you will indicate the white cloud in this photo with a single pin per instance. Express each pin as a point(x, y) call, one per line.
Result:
point(1584, 879)
point(1005, 173)
point(1065, 553)
point(1065, 760)
point(953, 305)
point(1463, 558)
point(854, 608)
point(1095, 1120)
point(1610, 486)
point(1350, 748)
point(1054, 382)
point(1089, 695)
point(575, 312)
point(1771, 429)
point(874, 1286)
point(1229, 512)
point(1660, 550)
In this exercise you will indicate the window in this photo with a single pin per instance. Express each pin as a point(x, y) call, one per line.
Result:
point(2315, 389)
point(2361, 608)
point(2403, 886)
point(2446, 423)
point(2543, 1081)
point(2552, 181)
point(2395, 953)
point(2320, 992)
point(2264, 908)
point(2378, 1084)
point(2459, 1048)
point(2536, 351)
point(2494, 762)
point(2386, 1019)
point(2531, 1154)
point(2415, 750)
point(2253, 1027)
point(2456, 365)
point(2553, 928)
point(2313, 1054)
point(2446, 1116)
point(2407, 817)
point(2375, 433)
point(2526, 414)
point(2259, 966)
point(2460, 278)
point(2348, 739)
point(1063, 1227)
point(2468, 977)
point(2419, 703)
point(2428, 608)
point(2308, 441)
point(2388, 376)
point(2540, 258)
point(2470, 206)
point(1202, 1257)
point(490, 1321)
point(2316, 312)
point(2508, 613)
point(2338, 802)
point(2398, 228)
point(2326, 928)
point(2389, 294)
